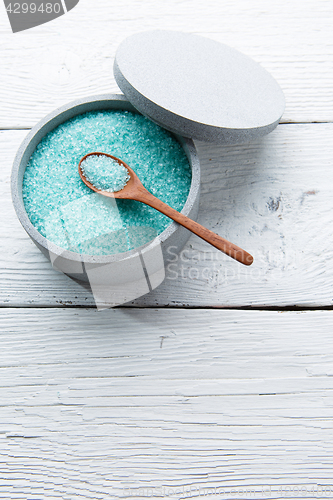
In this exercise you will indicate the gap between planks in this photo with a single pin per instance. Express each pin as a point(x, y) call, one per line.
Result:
point(176, 306)
point(309, 122)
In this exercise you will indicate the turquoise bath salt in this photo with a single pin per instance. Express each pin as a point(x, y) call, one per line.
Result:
point(64, 210)
point(104, 173)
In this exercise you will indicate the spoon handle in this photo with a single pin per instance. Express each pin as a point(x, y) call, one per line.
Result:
point(214, 239)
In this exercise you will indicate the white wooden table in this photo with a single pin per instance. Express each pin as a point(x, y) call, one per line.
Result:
point(219, 383)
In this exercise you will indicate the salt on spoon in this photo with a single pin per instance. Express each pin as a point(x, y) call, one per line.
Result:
point(105, 173)
point(120, 181)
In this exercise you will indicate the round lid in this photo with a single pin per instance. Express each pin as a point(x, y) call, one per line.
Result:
point(197, 87)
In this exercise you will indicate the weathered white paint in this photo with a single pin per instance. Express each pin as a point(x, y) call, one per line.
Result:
point(177, 401)
point(73, 55)
point(273, 198)
point(94, 403)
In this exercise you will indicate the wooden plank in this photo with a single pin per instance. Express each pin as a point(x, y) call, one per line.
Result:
point(52, 64)
point(273, 198)
point(99, 405)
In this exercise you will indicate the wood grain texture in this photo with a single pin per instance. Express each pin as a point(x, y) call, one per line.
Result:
point(136, 402)
point(98, 405)
point(273, 198)
point(73, 55)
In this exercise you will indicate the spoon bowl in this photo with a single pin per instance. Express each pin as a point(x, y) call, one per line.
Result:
point(134, 190)
point(127, 192)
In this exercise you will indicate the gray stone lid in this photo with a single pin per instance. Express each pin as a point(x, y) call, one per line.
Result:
point(197, 87)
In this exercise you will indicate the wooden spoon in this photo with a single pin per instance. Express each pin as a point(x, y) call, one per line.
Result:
point(134, 190)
